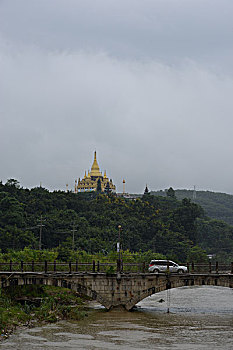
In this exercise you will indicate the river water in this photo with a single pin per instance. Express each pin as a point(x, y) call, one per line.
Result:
point(199, 318)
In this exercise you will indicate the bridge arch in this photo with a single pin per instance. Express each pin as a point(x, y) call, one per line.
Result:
point(176, 281)
point(65, 282)
point(93, 294)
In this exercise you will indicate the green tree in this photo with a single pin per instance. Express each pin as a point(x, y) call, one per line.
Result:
point(197, 254)
point(171, 193)
point(12, 212)
point(98, 188)
point(184, 218)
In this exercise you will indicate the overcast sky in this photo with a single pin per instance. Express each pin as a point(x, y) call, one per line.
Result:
point(148, 84)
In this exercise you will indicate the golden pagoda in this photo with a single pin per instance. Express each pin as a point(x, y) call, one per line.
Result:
point(92, 178)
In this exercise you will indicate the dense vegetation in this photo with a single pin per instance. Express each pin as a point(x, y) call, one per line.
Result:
point(89, 222)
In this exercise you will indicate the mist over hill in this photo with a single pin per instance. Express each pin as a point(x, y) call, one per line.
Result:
point(215, 204)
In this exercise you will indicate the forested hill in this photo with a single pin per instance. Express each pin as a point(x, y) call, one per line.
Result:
point(174, 228)
point(215, 204)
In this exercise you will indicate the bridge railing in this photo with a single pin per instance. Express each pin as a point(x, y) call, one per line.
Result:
point(47, 266)
point(106, 267)
point(210, 267)
point(72, 267)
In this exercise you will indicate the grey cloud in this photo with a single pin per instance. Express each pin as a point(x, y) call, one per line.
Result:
point(150, 123)
point(166, 30)
point(147, 85)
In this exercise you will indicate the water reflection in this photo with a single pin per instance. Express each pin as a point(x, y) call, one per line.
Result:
point(199, 318)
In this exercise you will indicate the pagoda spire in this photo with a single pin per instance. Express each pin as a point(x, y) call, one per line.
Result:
point(95, 170)
point(94, 177)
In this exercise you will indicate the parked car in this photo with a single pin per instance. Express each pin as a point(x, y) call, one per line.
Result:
point(162, 265)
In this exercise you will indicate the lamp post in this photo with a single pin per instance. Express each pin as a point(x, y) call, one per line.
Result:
point(119, 241)
point(210, 256)
point(119, 249)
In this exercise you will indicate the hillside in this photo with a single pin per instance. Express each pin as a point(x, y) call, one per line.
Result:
point(163, 225)
point(215, 204)
point(90, 222)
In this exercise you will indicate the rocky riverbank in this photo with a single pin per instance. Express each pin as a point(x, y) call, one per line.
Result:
point(27, 306)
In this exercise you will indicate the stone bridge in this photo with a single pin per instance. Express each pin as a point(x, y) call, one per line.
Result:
point(118, 289)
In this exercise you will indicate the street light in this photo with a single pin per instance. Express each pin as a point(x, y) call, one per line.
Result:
point(119, 248)
point(119, 240)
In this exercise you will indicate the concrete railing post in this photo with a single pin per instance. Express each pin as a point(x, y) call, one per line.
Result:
point(45, 266)
point(167, 266)
point(70, 267)
point(76, 266)
point(93, 266)
point(144, 267)
point(210, 267)
point(118, 265)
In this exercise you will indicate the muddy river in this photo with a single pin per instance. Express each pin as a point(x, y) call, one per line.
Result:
point(198, 318)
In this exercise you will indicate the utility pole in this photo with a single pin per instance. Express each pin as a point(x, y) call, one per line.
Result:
point(40, 236)
point(73, 230)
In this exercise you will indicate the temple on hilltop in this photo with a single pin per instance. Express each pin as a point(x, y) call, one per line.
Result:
point(94, 179)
